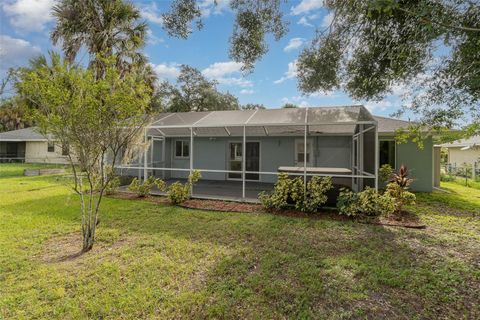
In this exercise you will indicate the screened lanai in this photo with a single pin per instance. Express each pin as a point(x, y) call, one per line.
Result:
point(241, 153)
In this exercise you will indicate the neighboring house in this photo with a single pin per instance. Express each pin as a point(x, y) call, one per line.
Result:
point(27, 145)
point(463, 151)
point(329, 141)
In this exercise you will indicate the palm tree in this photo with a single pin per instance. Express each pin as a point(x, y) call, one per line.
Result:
point(101, 27)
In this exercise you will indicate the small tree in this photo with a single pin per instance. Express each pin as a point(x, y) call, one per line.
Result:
point(96, 116)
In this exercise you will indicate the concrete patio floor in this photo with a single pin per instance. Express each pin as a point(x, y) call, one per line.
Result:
point(221, 189)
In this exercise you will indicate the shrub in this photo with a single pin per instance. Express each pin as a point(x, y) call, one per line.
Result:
point(368, 202)
point(385, 173)
point(401, 177)
point(112, 186)
point(315, 195)
point(401, 196)
point(446, 177)
point(143, 189)
point(280, 196)
point(178, 192)
point(347, 202)
point(372, 203)
point(289, 192)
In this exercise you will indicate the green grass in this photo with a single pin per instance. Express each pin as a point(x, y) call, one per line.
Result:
point(160, 262)
point(470, 182)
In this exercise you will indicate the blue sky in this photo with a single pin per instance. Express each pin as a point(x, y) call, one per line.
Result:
point(25, 27)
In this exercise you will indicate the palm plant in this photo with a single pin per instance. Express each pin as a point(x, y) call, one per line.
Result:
point(101, 27)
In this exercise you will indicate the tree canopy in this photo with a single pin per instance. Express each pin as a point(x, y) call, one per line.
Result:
point(95, 117)
point(193, 92)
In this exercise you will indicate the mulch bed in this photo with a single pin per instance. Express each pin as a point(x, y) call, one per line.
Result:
point(406, 219)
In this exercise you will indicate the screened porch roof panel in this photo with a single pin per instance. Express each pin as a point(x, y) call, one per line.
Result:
point(339, 116)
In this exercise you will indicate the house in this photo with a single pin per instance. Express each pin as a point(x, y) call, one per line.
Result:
point(241, 153)
point(27, 145)
point(463, 151)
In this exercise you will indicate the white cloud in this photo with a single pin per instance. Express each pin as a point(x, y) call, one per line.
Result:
point(15, 52)
point(166, 70)
point(153, 39)
point(151, 13)
point(306, 6)
point(304, 22)
point(29, 15)
point(290, 73)
point(327, 20)
point(234, 82)
point(223, 71)
point(208, 7)
point(247, 91)
point(293, 44)
point(220, 69)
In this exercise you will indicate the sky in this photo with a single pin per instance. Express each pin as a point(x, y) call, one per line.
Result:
point(25, 27)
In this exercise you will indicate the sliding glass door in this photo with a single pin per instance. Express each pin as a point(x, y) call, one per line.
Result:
point(252, 160)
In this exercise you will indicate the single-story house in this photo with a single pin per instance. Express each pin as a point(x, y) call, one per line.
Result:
point(241, 153)
point(463, 151)
point(27, 145)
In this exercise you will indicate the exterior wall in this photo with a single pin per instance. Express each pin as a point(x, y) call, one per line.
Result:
point(212, 153)
point(418, 161)
point(458, 157)
point(36, 152)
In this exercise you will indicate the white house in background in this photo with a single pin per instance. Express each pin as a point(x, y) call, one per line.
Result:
point(463, 151)
point(27, 145)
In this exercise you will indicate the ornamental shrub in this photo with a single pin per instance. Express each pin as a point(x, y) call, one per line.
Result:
point(368, 202)
point(385, 173)
point(280, 196)
point(112, 186)
point(315, 195)
point(178, 192)
point(347, 202)
point(143, 189)
point(372, 203)
point(401, 196)
point(289, 192)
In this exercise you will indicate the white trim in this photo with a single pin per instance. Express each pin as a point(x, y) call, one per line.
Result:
point(273, 124)
point(175, 149)
point(296, 141)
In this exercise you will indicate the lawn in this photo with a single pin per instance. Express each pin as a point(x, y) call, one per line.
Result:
point(160, 261)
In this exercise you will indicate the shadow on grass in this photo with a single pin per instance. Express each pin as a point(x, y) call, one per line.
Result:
point(284, 267)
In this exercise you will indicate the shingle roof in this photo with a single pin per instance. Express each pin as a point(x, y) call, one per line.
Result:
point(470, 142)
point(389, 125)
point(27, 134)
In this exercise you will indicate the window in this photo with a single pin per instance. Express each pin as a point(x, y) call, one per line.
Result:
point(51, 147)
point(182, 149)
point(387, 152)
point(300, 152)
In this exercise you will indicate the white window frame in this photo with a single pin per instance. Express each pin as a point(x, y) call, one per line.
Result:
point(310, 151)
point(394, 153)
point(175, 149)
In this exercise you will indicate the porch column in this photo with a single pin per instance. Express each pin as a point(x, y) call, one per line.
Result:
point(244, 149)
point(305, 160)
point(191, 150)
point(376, 157)
point(145, 155)
point(191, 156)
